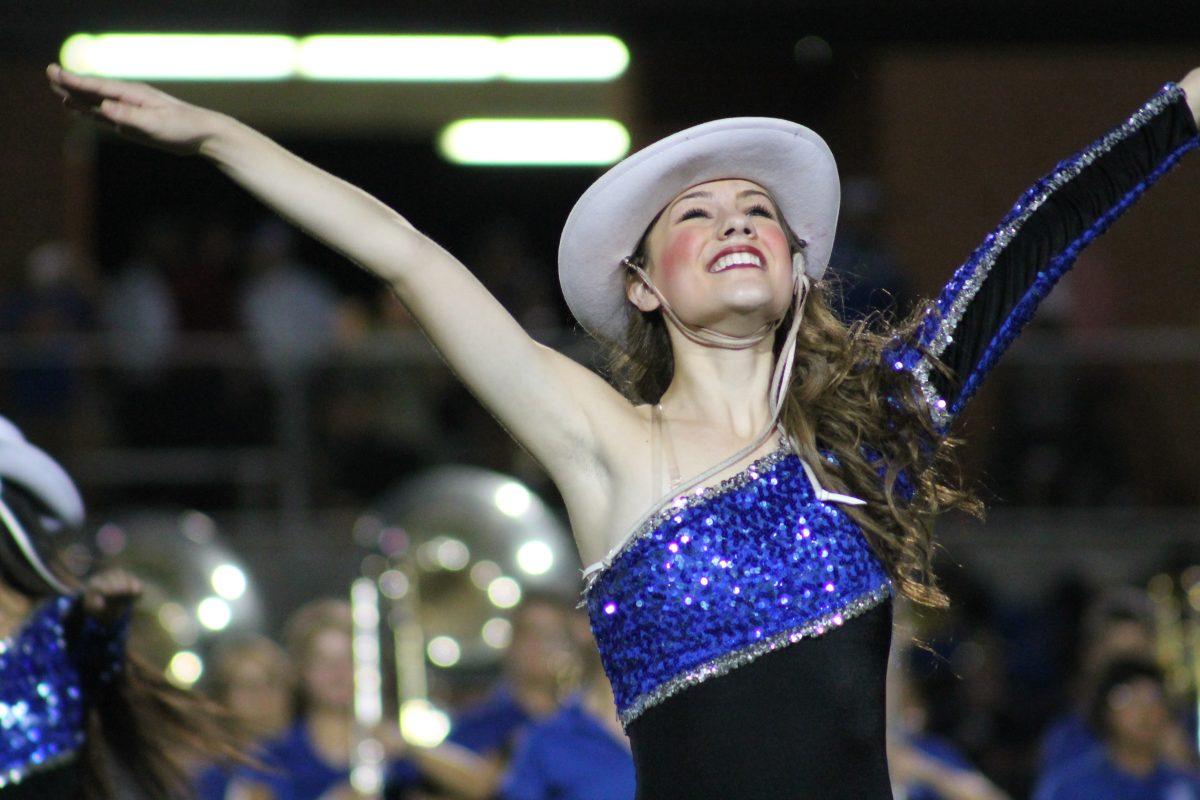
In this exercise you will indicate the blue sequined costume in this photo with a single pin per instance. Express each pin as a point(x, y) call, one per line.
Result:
point(50, 671)
point(745, 626)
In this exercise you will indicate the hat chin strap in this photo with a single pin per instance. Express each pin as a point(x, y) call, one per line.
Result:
point(780, 376)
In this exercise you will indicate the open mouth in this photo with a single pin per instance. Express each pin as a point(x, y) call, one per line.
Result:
point(741, 257)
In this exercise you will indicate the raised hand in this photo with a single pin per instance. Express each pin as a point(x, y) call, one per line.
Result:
point(137, 111)
point(110, 594)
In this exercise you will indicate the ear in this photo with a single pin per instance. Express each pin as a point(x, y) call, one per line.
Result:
point(640, 295)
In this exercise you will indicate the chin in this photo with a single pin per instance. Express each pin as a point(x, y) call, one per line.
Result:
point(758, 307)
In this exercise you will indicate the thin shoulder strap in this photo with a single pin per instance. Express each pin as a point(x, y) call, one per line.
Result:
point(660, 440)
point(672, 463)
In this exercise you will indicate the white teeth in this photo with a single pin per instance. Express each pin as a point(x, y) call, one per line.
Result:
point(725, 262)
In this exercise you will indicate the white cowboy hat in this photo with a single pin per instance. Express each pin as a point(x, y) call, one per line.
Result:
point(28, 531)
point(787, 159)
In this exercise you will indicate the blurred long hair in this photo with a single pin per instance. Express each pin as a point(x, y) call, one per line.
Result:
point(154, 733)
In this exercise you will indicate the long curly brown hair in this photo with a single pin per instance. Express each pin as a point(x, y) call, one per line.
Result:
point(873, 421)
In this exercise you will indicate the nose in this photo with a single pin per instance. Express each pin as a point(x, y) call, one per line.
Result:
point(738, 223)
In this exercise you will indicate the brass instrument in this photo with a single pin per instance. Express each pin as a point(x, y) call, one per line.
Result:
point(197, 589)
point(452, 550)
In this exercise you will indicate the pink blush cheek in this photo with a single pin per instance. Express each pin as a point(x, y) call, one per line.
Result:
point(775, 240)
point(680, 252)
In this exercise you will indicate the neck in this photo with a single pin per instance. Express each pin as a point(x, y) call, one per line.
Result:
point(1133, 758)
point(330, 730)
point(719, 388)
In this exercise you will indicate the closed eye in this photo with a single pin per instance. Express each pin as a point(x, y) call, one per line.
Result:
point(758, 208)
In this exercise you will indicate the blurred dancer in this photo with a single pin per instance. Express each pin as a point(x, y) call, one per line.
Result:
point(80, 718)
point(743, 616)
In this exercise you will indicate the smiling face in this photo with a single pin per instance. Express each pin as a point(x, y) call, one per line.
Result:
point(720, 255)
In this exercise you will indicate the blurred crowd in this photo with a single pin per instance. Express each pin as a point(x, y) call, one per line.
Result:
point(962, 725)
point(544, 726)
point(219, 335)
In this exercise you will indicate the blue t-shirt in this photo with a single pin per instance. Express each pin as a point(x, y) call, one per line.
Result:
point(570, 756)
point(1067, 739)
point(297, 771)
point(1094, 776)
point(490, 726)
point(212, 783)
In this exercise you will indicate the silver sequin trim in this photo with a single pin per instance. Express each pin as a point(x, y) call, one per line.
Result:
point(701, 494)
point(944, 336)
point(14, 776)
point(730, 661)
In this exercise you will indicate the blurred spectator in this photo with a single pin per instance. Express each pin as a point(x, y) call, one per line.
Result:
point(382, 414)
point(137, 308)
point(142, 322)
point(581, 752)
point(965, 680)
point(1129, 710)
point(206, 403)
point(289, 313)
point(252, 678)
point(1120, 623)
point(313, 755)
point(1060, 419)
point(45, 314)
point(205, 285)
point(926, 766)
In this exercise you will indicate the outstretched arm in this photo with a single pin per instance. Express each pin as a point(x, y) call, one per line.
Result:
point(990, 297)
point(548, 403)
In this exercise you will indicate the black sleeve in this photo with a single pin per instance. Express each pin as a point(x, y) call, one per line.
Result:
point(990, 297)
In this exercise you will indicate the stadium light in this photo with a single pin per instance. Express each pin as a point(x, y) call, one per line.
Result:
point(337, 57)
point(534, 142)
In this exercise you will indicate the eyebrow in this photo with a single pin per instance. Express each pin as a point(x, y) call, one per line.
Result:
point(708, 195)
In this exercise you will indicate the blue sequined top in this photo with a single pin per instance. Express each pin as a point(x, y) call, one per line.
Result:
point(722, 575)
point(49, 670)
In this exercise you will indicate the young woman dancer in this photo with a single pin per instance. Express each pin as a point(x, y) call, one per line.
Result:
point(744, 620)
